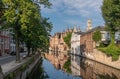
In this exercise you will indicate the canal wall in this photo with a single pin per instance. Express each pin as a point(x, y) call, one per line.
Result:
point(93, 70)
point(21, 71)
point(103, 58)
point(1, 73)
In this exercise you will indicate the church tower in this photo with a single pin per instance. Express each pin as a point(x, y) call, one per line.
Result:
point(89, 24)
point(74, 29)
point(79, 29)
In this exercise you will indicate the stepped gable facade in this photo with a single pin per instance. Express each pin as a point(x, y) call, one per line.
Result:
point(57, 43)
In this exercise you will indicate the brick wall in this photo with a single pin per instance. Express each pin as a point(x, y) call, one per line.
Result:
point(86, 43)
point(57, 43)
point(103, 58)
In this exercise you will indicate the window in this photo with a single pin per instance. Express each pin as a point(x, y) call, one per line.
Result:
point(103, 36)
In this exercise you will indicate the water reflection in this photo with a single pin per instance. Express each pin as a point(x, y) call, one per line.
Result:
point(38, 72)
point(53, 73)
point(57, 60)
point(81, 68)
point(89, 69)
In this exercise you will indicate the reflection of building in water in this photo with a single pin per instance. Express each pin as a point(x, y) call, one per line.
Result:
point(89, 69)
point(58, 61)
point(75, 65)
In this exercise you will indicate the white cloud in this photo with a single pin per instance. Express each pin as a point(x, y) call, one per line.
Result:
point(73, 22)
point(62, 13)
point(75, 7)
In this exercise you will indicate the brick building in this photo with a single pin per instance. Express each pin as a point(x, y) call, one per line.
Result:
point(87, 43)
point(4, 42)
point(82, 42)
point(57, 43)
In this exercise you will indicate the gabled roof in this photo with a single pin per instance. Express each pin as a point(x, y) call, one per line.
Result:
point(101, 28)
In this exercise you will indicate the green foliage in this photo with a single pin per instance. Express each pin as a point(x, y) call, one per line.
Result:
point(103, 44)
point(1, 11)
point(111, 50)
point(29, 27)
point(1, 7)
point(96, 36)
point(67, 65)
point(45, 2)
point(67, 39)
point(10, 76)
point(111, 14)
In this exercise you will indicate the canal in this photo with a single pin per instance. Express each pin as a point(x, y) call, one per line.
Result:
point(80, 68)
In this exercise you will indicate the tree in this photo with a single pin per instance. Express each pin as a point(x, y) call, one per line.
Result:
point(111, 14)
point(96, 36)
point(36, 32)
point(24, 17)
point(37, 37)
point(12, 17)
point(1, 10)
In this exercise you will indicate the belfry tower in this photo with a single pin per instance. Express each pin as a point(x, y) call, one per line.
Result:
point(89, 24)
point(74, 29)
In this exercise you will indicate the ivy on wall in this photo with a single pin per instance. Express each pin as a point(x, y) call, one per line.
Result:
point(67, 39)
point(96, 36)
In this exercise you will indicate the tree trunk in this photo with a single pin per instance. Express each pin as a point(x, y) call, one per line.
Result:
point(112, 38)
point(28, 48)
point(32, 51)
point(17, 49)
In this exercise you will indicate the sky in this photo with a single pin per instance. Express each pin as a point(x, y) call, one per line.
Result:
point(68, 13)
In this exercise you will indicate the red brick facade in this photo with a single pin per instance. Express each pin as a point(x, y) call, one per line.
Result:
point(57, 43)
point(86, 42)
point(4, 44)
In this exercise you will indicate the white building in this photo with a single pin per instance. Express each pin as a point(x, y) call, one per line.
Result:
point(4, 42)
point(75, 43)
point(105, 36)
point(117, 37)
point(12, 44)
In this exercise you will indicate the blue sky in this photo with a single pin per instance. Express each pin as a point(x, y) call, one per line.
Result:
point(67, 13)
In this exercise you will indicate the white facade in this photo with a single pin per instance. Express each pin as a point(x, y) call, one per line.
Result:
point(105, 36)
point(75, 43)
point(117, 36)
point(12, 44)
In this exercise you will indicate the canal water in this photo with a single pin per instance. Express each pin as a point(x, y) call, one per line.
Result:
point(54, 73)
point(81, 68)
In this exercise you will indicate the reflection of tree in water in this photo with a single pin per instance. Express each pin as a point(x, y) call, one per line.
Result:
point(106, 76)
point(39, 73)
point(67, 65)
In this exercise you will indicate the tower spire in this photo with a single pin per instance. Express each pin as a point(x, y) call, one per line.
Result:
point(74, 29)
point(67, 29)
point(79, 29)
point(89, 24)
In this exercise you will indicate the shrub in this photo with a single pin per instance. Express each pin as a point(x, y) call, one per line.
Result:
point(96, 36)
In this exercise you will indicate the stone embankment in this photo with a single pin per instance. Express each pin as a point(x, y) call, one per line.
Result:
point(21, 70)
point(103, 58)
